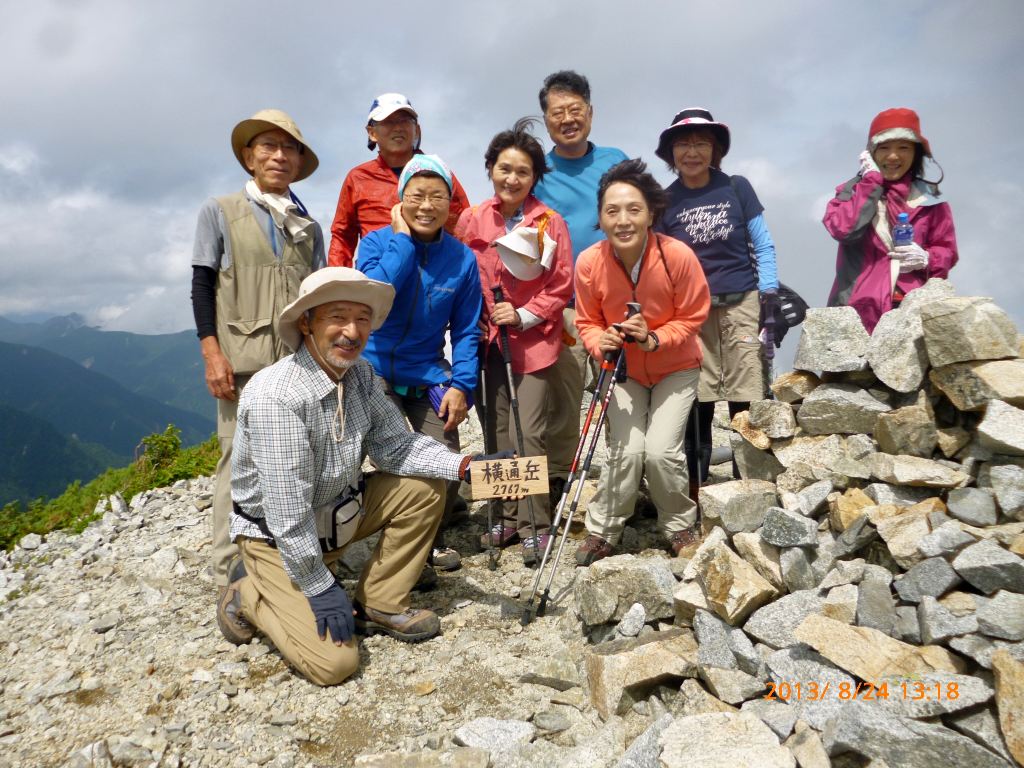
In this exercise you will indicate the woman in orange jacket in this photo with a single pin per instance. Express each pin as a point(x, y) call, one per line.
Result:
point(648, 412)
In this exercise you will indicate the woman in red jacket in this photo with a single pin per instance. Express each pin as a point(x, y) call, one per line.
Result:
point(648, 413)
point(523, 246)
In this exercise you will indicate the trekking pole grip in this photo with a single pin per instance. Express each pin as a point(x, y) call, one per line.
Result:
point(499, 297)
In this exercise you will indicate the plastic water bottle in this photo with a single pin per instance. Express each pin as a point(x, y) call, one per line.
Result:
point(903, 232)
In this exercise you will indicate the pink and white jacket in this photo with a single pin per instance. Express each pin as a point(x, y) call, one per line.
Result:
point(858, 219)
point(536, 348)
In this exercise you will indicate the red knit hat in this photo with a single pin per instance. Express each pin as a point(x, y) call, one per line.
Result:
point(897, 124)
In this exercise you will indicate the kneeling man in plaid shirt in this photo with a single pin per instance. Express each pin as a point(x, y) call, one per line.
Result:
point(305, 425)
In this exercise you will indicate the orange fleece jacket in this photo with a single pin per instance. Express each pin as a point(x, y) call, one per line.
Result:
point(673, 296)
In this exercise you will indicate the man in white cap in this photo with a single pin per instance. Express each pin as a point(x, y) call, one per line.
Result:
point(370, 190)
point(252, 250)
point(305, 426)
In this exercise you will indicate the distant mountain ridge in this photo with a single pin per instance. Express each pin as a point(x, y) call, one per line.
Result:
point(166, 367)
point(87, 405)
point(36, 460)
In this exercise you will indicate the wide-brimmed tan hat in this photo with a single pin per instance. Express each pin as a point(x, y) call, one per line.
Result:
point(335, 284)
point(268, 120)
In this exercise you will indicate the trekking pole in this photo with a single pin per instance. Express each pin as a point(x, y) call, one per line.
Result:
point(492, 563)
point(769, 329)
point(696, 441)
point(499, 297)
point(606, 366)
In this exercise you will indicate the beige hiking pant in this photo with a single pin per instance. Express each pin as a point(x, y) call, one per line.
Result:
point(223, 548)
point(647, 427)
point(409, 511)
point(733, 368)
point(532, 392)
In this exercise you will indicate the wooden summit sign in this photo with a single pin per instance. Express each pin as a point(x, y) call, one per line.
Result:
point(509, 477)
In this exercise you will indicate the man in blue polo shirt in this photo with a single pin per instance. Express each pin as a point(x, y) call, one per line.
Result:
point(571, 189)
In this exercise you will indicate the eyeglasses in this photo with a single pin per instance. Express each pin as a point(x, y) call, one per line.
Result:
point(271, 147)
point(686, 146)
point(420, 199)
point(402, 121)
point(575, 112)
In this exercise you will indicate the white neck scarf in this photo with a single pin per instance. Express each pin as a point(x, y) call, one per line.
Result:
point(283, 211)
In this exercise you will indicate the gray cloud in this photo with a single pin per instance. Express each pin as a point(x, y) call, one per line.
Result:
point(116, 117)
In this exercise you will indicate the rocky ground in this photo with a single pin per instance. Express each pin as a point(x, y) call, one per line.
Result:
point(857, 599)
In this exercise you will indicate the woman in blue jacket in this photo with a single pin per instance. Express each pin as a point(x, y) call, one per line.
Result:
point(437, 288)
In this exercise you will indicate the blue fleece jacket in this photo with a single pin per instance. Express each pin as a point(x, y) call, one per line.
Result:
point(437, 287)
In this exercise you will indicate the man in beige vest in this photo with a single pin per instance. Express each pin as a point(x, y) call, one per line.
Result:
point(252, 250)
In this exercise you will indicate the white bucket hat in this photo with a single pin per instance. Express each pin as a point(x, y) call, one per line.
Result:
point(520, 252)
point(335, 284)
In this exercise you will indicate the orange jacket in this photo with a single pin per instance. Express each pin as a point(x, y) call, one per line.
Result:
point(673, 296)
point(538, 347)
point(369, 193)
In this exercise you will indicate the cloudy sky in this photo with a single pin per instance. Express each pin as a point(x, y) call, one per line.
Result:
point(116, 117)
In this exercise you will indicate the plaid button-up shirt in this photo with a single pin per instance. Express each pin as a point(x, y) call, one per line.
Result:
point(286, 461)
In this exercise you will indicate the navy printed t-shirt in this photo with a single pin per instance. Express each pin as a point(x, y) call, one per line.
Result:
point(712, 221)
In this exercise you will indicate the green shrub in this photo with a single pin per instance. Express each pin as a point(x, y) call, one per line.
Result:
point(162, 463)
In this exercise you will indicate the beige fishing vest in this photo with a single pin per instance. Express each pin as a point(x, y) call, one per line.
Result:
point(252, 292)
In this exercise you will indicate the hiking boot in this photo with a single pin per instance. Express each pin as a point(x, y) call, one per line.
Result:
point(684, 543)
point(503, 536)
point(411, 625)
point(427, 580)
point(592, 549)
point(532, 554)
point(232, 623)
point(444, 559)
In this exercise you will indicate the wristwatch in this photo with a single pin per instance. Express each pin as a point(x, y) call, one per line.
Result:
point(657, 343)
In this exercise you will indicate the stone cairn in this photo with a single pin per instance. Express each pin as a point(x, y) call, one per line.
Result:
point(873, 546)
point(857, 599)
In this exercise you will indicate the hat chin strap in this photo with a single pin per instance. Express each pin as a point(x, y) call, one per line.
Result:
point(338, 420)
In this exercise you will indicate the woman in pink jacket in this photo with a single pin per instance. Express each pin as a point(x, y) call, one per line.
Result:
point(872, 275)
point(523, 246)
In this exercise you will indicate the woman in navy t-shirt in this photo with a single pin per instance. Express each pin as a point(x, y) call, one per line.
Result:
point(716, 215)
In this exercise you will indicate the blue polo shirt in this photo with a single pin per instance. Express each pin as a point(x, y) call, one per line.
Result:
point(570, 188)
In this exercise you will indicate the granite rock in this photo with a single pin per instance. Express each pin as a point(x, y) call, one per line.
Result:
point(804, 665)
point(1002, 429)
point(732, 586)
point(944, 541)
point(844, 508)
point(1009, 680)
point(989, 567)
point(870, 654)
point(908, 628)
point(970, 386)
point(499, 737)
point(776, 714)
point(645, 751)
point(1008, 485)
point(901, 534)
point(716, 740)
point(713, 639)
point(773, 417)
point(774, 623)
point(794, 386)
point(1002, 616)
point(752, 462)
point(875, 607)
point(932, 577)
point(866, 729)
point(841, 603)
point(915, 471)
point(763, 556)
point(622, 672)
point(732, 686)
point(833, 340)
point(840, 409)
point(756, 437)
point(797, 569)
point(608, 589)
point(783, 528)
point(737, 505)
point(910, 431)
point(938, 624)
point(982, 725)
point(967, 328)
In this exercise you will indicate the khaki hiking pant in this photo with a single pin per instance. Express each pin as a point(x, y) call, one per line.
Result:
point(422, 418)
point(223, 548)
point(733, 367)
point(532, 391)
point(647, 427)
point(573, 372)
point(408, 510)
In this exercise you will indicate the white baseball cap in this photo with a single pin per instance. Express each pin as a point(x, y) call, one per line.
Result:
point(387, 104)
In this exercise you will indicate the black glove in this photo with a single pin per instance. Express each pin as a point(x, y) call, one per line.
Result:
point(333, 610)
point(500, 455)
